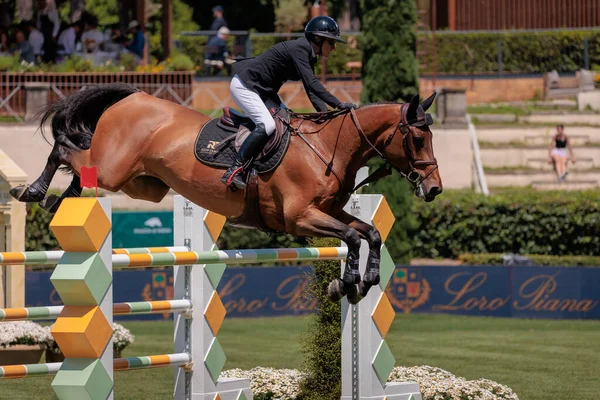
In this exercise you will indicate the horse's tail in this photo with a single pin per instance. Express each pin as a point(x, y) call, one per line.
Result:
point(76, 116)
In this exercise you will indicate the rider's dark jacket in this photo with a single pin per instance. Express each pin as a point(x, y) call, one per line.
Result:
point(293, 60)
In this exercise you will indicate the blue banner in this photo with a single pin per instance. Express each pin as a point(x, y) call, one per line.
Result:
point(249, 291)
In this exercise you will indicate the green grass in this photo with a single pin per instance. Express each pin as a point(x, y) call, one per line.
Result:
point(539, 359)
point(8, 118)
point(515, 109)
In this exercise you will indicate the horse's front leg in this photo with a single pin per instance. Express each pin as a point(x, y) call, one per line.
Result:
point(372, 236)
point(314, 222)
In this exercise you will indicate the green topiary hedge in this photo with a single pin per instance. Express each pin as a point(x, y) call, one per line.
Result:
point(459, 222)
point(477, 53)
point(322, 345)
point(521, 52)
point(513, 221)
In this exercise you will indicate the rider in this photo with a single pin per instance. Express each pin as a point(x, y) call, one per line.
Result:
point(257, 80)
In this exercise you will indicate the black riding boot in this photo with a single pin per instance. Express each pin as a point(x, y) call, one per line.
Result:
point(251, 147)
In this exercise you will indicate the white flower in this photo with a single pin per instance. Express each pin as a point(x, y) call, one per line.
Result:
point(283, 383)
point(122, 337)
point(23, 332)
point(435, 383)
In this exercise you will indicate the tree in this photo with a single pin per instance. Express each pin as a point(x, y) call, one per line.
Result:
point(288, 16)
point(389, 66)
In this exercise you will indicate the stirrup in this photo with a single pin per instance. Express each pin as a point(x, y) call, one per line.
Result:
point(233, 179)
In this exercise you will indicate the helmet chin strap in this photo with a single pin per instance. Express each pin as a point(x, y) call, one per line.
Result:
point(320, 44)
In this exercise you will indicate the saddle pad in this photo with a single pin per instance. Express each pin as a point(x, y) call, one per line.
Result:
point(208, 151)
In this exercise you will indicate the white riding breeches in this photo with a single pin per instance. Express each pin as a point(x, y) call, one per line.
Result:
point(252, 105)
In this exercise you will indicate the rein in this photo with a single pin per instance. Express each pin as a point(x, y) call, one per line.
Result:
point(403, 125)
point(413, 175)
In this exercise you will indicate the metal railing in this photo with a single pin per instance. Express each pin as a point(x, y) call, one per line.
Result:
point(481, 180)
point(174, 86)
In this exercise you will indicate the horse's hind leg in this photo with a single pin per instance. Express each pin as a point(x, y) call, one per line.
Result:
point(38, 189)
point(372, 236)
point(142, 187)
point(52, 202)
point(314, 222)
point(145, 187)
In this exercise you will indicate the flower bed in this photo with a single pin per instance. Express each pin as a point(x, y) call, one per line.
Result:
point(435, 383)
point(22, 342)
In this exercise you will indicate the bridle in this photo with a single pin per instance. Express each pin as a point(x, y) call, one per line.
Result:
point(403, 125)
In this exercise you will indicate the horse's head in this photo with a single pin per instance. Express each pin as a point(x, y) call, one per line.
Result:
point(411, 151)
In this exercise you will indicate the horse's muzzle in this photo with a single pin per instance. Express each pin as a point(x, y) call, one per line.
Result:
point(432, 193)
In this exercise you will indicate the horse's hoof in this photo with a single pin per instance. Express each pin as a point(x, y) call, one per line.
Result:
point(335, 291)
point(354, 295)
point(372, 277)
point(50, 203)
point(363, 288)
point(18, 191)
point(26, 194)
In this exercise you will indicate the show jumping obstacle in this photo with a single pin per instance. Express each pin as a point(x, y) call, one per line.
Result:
point(83, 279)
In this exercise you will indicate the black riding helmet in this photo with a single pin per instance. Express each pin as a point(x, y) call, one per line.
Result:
point(322, 27)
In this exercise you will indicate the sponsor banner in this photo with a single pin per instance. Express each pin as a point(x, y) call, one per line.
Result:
point(245, 291)
point(250, 291)
point(142, 229)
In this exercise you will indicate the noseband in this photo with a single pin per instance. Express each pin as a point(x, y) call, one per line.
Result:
point(413, 175)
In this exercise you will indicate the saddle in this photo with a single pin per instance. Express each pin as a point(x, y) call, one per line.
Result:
point(221, 138)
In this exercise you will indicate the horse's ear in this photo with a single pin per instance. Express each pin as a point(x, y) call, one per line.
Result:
point(428, 102)
point(411, 113)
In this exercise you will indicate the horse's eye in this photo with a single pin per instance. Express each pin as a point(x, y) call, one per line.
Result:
point(419, 142)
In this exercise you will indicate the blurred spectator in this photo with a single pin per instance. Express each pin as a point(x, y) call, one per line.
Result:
point(5, 19)
point(23, 47)
point(4, 43)
point(25, 10)
point(136, 44)
point(67, 41)
point(92, 38)
point(557, 152)
point(114, 40)
point(217, 54)
point(219, 21)
point(36, 39)
point(48, 22)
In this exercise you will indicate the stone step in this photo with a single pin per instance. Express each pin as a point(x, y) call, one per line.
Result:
point(520, 156)
point(541, 163)
point(537, 135)
point(576, 140)
point(565, 185)
point(567, 119)
point(540, 178)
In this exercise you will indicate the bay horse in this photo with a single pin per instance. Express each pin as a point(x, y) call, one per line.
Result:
point(143, 146)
